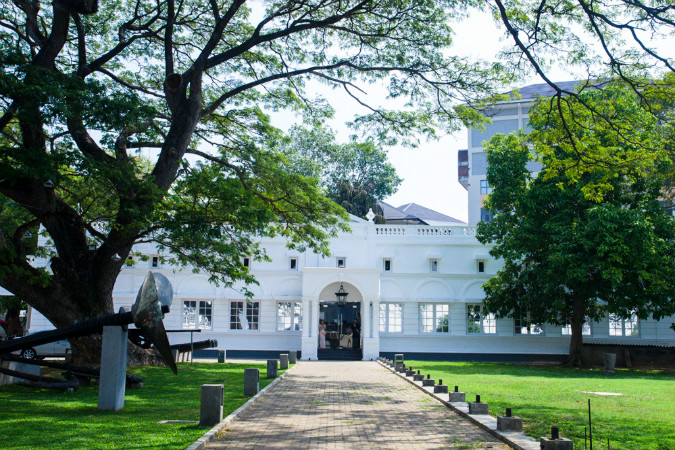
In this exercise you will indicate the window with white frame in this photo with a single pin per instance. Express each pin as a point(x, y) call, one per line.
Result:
point(391, 317)
point(197, 314)
point(481, 266)
point(244, 315)
point(433, 265)
point(623, 327)
point(289, 316)
point(523, 325)
point(386, 264)
point(485, 187)
point(341, 262)
point(585, 330)
point(479, 323)
point(434, 318)
point(246, 261)
point(485, 215)
point(293, 263)
point(155, 261)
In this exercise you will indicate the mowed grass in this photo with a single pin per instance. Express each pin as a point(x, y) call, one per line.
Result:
point(641, 418)
point(53, 419)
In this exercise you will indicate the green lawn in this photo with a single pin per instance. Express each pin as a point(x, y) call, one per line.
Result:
point(49, 419)
point(642, 418)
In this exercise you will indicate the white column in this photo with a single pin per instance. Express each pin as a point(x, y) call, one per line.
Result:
point(365, 319)
point(310, 318)
point(306, 322)
point(376, 319)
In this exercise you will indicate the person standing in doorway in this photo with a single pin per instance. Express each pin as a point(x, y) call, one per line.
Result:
point(322, 334)
point(356, 335)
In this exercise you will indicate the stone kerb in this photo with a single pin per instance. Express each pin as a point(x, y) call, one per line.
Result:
point(210, 435)
point(516, 440)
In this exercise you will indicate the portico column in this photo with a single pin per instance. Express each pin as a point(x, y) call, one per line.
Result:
point(371, 341)
point(376, 319)
point(310, 325)
point(306, 321)
point(365, 319)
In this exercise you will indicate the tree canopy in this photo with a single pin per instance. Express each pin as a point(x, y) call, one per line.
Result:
point(356, 175)
point(627, 41)
point(103, 103)
point(569, 258)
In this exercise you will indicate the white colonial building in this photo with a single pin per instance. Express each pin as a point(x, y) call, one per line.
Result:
point(413, 285)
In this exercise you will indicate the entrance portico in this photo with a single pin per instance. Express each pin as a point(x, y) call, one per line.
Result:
point(319, 284)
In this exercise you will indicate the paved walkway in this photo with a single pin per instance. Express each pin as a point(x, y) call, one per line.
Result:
point(350, 405)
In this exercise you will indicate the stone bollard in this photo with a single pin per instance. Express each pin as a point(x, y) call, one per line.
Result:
point(609, 361)
point(402, 369)
point(293, 357)
point(509, 423)
point(478, 407)
point(418, 377)
point(113, 381)
point(283, 361)
point(272, 368)
point(440, 388)
point(457, 396)
point(398, 361)
point(251, 382)
point(222, 356)
point(211, 408)
point(555, 442)
point(428, 381)
point(410, 372)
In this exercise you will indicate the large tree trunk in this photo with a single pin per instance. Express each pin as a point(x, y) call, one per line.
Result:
point(577, 339)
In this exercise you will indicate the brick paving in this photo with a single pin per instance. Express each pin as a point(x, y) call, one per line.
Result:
point(349, 405)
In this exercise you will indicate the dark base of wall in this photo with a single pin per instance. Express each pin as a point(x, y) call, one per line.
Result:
point(242, 354)
point(630, 356)
point(477, 357)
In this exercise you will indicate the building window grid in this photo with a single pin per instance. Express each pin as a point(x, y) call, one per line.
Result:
point(623, 327)
point(523, 326)
point(289, 316)
point(479, 323)
point(585, 331)
point(197, 314)
point(391, 317)
point(485, 187)
point(244, 315)
point(434, 317)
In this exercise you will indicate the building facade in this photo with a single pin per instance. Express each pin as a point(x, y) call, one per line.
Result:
point(414, 286)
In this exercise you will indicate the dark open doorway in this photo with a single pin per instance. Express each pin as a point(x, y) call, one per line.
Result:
point(343, 330)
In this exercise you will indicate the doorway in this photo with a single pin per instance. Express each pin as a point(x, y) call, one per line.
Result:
point(343, 325)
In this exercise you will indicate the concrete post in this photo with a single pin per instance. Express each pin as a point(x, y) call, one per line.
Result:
point(222, 356)
point(251, 382)
point(112, 383)
point(293, 357)
point(211, 408)
point(272, 368)
point(283, 361)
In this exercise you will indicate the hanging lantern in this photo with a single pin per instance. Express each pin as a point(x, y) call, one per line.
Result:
point(341, 296)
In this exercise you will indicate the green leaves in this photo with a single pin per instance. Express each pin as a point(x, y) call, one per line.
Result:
point(579, 241)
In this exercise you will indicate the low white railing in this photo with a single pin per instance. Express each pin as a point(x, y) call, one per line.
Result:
point(423, 230)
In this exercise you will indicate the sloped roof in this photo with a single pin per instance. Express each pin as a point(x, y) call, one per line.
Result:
point(417, 213)
point(390, 212)
point(429, 216)
point(544, 90)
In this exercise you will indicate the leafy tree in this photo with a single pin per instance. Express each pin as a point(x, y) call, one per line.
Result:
point(624, 40)
point(569, 258)
point(84, 86)
point(356, 175)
